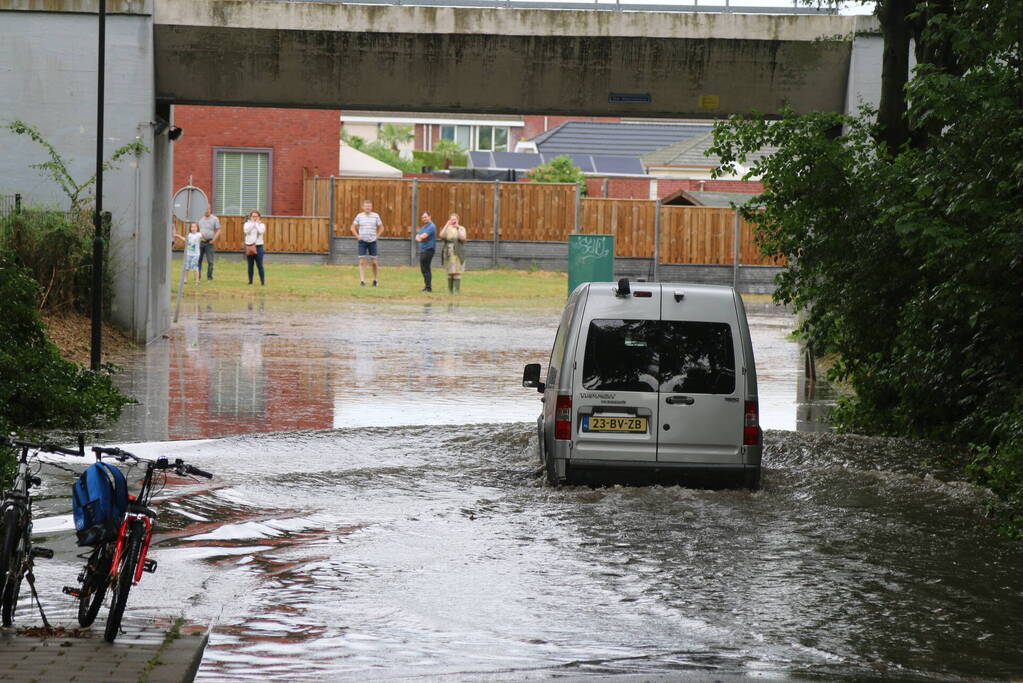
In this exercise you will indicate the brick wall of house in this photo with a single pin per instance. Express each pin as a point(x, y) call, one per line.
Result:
point(304, 141)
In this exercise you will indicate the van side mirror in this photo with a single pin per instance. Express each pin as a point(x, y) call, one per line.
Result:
point(531, 377)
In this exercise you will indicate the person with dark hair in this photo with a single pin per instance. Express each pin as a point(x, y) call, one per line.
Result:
point(254, 231)
point(427, 238)
point(209, 226)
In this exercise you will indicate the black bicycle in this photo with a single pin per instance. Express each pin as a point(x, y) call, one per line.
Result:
point(118, 563)
point(17, 554)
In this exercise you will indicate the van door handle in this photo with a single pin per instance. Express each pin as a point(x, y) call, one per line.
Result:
point(684, 400)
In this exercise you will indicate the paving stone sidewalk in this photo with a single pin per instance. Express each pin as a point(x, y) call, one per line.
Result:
point(139, 654)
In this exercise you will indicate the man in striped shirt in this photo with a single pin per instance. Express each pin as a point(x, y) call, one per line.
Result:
point(367, 227)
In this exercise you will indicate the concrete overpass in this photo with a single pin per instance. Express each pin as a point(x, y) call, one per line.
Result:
point(416, 58)
point(360, 56)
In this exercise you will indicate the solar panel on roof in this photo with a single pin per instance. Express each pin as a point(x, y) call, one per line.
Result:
point(618, 165)
point(583, 161)
point(522, 161)
point(480, 160)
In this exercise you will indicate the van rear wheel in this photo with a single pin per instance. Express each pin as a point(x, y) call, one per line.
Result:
point(751, 479)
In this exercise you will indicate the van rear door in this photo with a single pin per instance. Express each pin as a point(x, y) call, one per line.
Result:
point(615, 385)
point(700, 380)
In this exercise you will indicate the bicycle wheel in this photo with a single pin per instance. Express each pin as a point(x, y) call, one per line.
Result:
point(95, 578)
point(122, 582)
point(13, 564)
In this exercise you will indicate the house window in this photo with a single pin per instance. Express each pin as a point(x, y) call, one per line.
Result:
point(492, 139)
point(460, 134)
point(242, 179)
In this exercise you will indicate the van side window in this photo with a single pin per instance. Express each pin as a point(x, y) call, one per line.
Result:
point(556, 355)
point(659, 355)
point(558, 351)
point(697, 358)
point(621, 355)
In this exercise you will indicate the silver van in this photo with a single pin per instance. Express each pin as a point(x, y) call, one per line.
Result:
point(650, 381)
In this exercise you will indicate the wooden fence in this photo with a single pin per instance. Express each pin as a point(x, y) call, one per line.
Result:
point(631, 221)
point(304, 234)
point(541, 212)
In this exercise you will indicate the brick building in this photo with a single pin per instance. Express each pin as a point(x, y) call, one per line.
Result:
point(247, 158)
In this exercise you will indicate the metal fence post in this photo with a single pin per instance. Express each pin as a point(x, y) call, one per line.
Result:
point(497, 223)
point(735, 264)
point(657, 236)
point(330, 222)
point(316, 187)
point(415, 214)
point(578, 205)
point(17, 203)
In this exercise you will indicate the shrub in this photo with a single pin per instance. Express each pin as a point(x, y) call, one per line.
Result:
point(39, 390)
point(56, 250)
point(560, 169)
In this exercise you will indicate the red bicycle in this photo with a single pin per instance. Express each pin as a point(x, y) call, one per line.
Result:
point(118, 563)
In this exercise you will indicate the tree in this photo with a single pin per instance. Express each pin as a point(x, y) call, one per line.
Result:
point(907, 247)
point(448, 151)
point(393, 135)
point(560, 169)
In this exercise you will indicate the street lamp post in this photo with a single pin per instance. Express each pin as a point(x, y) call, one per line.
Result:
point(97, 240)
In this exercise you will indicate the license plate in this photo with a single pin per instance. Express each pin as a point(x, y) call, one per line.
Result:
point(607, 423)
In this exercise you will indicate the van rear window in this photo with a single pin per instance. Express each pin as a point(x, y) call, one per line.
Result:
point(659, 355)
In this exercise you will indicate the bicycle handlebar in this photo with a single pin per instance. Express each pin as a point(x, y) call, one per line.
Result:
point(189, 469)
point(179, 465)
point(47, 447)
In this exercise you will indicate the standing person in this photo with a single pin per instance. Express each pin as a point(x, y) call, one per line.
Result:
point(427, 238)
point(254, 232)
point(191, 240)
point(452, 254)
point(209, 226)
point(367, 227)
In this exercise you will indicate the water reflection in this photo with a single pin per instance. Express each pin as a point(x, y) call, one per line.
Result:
point(237, 367)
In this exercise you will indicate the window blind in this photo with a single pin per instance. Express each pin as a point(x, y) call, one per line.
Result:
point(242, 182)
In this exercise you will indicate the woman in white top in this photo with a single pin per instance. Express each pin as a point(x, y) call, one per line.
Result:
point(254, 231)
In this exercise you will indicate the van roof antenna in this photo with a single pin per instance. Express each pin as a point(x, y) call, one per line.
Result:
point(623, 287)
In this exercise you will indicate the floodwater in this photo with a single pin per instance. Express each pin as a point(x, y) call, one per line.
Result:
point(244, 367)
point(398, 531)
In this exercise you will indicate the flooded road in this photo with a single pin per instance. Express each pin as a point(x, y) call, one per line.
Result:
point(425, 546)
point(235, 367)
point(434, 551)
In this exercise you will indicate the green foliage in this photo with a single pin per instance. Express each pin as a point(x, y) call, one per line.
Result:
point(39, 390)
point(392, 135)
point(451, 153)
point(560, 169)
point(56, 246)
point(909, 267)
point(999, 466)
point(353, 140)
point(381, 152)
point(57, 169)
point(56, 249)
point(443, 155)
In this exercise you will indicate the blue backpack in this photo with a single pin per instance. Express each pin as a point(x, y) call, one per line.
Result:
point(99, 500)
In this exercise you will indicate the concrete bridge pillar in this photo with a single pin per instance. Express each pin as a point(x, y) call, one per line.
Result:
point(48, 61)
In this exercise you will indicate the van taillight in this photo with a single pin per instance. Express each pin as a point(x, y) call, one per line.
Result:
point(751, 434)
point(563, 418)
